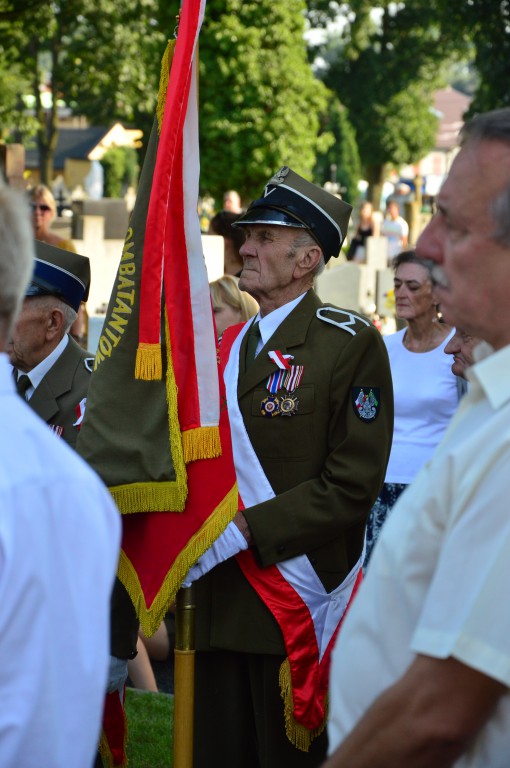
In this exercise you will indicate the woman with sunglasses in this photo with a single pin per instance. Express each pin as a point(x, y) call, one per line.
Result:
point(44, 211)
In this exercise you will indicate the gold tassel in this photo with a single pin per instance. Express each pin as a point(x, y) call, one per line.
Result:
point(297, 734)
point(201, 443)
point(148, 365)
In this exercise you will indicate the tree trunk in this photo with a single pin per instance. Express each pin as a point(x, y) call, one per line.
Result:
point(374, 174)
point(47, 132)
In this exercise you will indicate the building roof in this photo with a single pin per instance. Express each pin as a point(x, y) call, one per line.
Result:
point(450, 106)
point(85, 144)
point(75, 143)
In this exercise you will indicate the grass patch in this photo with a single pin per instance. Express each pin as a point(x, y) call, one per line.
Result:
point(150, 729)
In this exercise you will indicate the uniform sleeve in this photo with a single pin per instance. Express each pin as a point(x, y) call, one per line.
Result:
point(340, 497)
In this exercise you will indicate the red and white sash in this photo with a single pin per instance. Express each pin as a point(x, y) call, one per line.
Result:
point(308, 616)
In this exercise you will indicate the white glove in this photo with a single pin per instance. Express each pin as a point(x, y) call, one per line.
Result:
point(227, 545)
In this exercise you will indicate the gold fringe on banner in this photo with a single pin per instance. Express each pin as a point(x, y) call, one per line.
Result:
point(150, 618)
point(148, 365)
point(201, 443)
point(106, 754)
point(297, 734)
point(157, 496)
point(150, 497)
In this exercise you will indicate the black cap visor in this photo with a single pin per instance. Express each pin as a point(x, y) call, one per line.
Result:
point(261, 215)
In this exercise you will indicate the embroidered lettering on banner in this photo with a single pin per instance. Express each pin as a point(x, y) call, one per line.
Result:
point(124, 301)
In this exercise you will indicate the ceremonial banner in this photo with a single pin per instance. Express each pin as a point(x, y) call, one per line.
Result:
point(151, 428)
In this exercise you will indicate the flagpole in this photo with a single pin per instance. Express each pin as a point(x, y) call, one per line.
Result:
point(184, 677)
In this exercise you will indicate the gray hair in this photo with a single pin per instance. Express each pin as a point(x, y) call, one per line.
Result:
point(16, 254)
point(493, 126)
point(48, 303)
point(304, 239)
point(410, 257)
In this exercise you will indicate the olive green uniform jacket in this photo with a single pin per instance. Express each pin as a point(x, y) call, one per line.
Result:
point(326, 466)
point(62, 389)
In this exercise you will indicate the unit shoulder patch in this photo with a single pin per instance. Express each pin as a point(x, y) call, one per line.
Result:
point(343, 318)
point(366, 402)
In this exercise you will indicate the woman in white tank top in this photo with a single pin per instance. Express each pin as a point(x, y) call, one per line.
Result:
point(425, 389)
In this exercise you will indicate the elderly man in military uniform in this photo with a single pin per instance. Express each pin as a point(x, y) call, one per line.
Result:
point(310, 404)
point(52, 372)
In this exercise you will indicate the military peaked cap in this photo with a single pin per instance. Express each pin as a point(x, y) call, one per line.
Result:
point(289, 200)
point(60, 273)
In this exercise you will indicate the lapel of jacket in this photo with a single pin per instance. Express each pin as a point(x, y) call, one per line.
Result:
point(57, 382)
point(291, 333)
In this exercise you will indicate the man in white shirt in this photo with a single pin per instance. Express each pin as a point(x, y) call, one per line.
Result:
point(59, 545)
point(396, 229)
point(421, 669)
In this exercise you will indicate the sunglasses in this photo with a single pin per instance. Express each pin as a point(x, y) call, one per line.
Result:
point(40, 207)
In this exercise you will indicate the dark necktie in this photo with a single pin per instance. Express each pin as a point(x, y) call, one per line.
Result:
point(252, 343)
point(22, 384)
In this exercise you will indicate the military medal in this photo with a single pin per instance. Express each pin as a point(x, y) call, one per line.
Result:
point(288, 405)
point(287, 377)
point(270, 406)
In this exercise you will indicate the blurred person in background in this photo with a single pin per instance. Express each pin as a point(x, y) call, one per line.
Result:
point(221, 224)
point(230, 304)
point(44, 211)
point(396, 229)
point(425, 390)
point(462, 345)
point(368, 226)
point(232, 201)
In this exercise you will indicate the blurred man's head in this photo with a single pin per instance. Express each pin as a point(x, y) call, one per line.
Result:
point(461, 346)
point(232, 201)
point(16, 257)
point(393, 210)
point(469, 236)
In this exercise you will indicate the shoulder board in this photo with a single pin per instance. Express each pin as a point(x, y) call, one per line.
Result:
point(88, 362)
point(343, 318)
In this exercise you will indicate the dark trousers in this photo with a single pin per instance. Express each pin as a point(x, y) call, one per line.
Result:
point(239, 715)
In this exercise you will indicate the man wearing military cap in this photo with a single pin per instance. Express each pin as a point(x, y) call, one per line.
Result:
point(52, 372)
point(311, 415)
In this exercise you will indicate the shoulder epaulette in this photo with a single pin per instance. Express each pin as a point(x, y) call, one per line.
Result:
point(88, 362)
point(346, 320)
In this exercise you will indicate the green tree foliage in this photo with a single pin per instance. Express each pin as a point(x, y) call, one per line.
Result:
point(120, 166)
point(385, 73)
point(340, 162)
point(110, 65)
point(96, 55)
point(259, 101)
point(483, 26)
